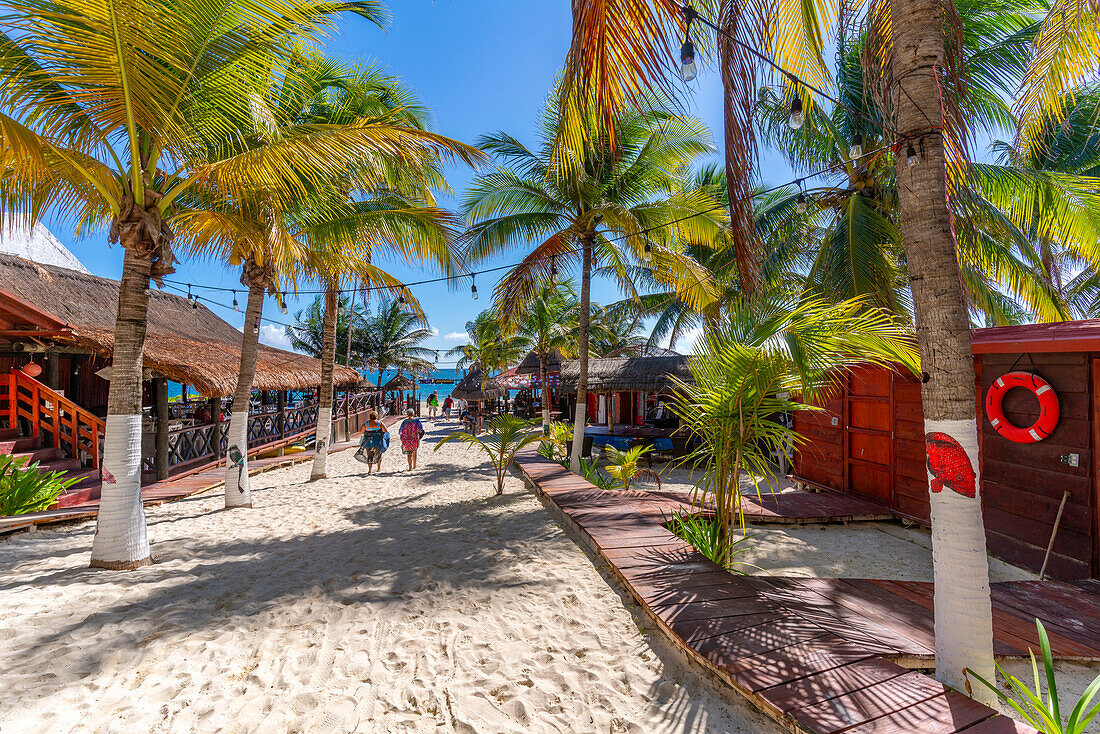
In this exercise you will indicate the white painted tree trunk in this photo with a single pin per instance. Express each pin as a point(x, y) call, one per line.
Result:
point(120, 540)
point(578, 430)
point(959, 559)
point(237, 489)
point(320, 457)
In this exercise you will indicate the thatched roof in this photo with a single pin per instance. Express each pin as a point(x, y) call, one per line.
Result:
point(185, 344)
point(530, 363)
point(399, 382)
point(646, 374)
point(469, 388)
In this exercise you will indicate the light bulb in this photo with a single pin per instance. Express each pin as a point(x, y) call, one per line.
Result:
point(688, 70)
point(856, 151)
point(647, 253)
point(236, 306)
point(473, 291)
point(282, 304)
point(401, 300)
point(801, 207)
point(796, 113)
point(255, 330)
point(911, 154)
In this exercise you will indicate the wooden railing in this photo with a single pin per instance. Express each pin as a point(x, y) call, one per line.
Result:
point(197, 445)
point(59, 421)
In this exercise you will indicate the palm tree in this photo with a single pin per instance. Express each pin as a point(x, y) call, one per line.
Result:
point(307, 334)
point(114, 111)
point(598, 194)
point(271, 240)
point(769, 348)
point(546, 325)
point(491, 347)
point(392, 339)
point(616, 332)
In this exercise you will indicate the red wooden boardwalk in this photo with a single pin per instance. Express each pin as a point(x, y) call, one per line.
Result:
point(175, 488)
point(789, 645)
point(782, 508)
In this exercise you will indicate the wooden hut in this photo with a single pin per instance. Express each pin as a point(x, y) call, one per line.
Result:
point(870, 442)
point(399, 384)
point(470, 389)
point(622, 389)
point(64, 320)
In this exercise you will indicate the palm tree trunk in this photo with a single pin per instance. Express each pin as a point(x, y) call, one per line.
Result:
point(963, 618)
point(544, 376)
point(120, 540)
point(582, 348)
point(324, 403)
point(237, 492)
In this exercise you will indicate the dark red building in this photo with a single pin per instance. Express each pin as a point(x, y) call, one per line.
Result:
point(870, 443)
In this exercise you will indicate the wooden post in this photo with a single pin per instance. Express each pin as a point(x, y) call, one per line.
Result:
point(160, 393)
point(347, 414)
point(53, 370)
point(280, 417)
point(216, 432)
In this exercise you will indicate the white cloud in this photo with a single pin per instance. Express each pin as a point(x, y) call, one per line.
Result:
point(435, 331)
point(688, 340)
point(457, 336)
point(274, 336)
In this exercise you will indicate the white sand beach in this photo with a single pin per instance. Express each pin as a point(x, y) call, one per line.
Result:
point(402, 602)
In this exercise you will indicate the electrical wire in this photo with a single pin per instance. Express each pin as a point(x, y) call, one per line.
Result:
point(184, 286)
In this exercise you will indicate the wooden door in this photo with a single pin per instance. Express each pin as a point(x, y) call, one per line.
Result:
point(869, 434)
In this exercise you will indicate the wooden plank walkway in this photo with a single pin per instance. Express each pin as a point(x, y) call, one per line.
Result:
point(779, 508)
point(785, 644)
point(168, 490)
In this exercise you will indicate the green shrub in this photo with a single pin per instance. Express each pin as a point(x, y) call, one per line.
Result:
point(704, 533)
point(26, 489)
point(1045, 714)
point(592, 473)
point(507, 434)
point(623, 465)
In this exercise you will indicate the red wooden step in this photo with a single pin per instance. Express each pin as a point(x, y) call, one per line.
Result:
point(65, 465)
point(18, 445)
point(42, 455)
point(77, 495)
point(86, 477)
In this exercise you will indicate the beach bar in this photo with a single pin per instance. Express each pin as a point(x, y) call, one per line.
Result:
point(869, 442)
point(56, 341)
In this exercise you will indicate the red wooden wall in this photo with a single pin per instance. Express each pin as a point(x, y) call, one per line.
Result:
point(1022, 484)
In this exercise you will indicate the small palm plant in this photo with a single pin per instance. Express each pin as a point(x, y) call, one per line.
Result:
point(623, 465)
point(705, 535)
point(28, 488)
point(555, 444)
point(1045, 714)
point(506, 436)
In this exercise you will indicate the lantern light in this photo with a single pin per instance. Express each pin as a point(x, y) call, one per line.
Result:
point(796, 118)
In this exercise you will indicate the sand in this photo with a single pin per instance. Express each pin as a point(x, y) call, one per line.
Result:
point(395, 603)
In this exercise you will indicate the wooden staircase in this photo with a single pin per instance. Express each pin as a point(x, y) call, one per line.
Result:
point(45, 427)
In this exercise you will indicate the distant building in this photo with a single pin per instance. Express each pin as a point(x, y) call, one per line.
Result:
point(37, 244)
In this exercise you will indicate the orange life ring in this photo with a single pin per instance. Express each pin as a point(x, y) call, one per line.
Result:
point(1049, 411)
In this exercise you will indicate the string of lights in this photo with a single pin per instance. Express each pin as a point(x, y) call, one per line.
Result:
point(689, 70)
point(802, 206)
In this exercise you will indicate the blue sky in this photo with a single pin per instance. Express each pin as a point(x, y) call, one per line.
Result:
point(481, 67)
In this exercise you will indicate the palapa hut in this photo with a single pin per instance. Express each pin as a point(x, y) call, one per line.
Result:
point(470, 388)
point(63, 320)
point(530, 363)
point(399, 384)
point(620, 387)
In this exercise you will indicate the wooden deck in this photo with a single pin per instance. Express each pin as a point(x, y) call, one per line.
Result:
point(788, 645)
point(168, 490)
point(781, 508)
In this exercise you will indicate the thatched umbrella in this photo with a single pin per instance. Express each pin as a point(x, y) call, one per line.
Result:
point(530, 363)
point(469, 388)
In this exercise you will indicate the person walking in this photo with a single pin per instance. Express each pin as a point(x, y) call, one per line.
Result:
point(433, 404)
point(448, 403)
point(411, 431)
point(375, 441)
